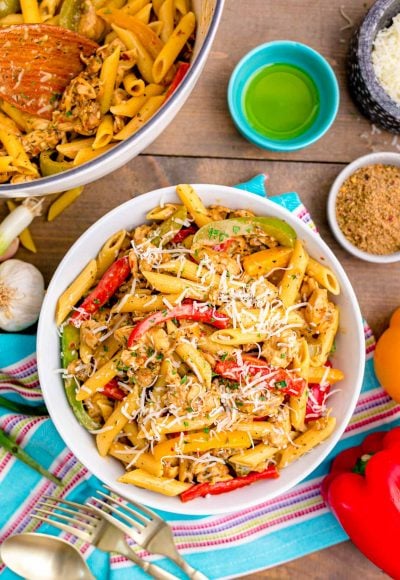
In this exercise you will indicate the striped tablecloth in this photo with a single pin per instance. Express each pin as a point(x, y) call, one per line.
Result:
point(223, 546)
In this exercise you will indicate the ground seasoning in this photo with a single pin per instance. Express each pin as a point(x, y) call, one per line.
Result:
point(368, 209)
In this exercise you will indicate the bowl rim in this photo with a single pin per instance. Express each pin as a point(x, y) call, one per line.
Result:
point(196, 507)
point(387, 158)
point(56, 181)
point(367, 33)
point(239, 117)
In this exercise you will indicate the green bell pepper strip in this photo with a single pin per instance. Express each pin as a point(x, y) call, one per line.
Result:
point(37, 411)
point(170, 227)
point(8, 7)
point(220, 231)
point(69, 347)
point(70, 14)
point(12, 447)
point(50, 167)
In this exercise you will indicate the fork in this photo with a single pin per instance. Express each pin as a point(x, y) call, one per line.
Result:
point(148, 530)
point(84, 523)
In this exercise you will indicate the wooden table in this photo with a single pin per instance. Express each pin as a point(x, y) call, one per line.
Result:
point(202, 145)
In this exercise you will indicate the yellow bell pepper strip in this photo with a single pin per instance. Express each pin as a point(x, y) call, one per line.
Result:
point(189, 311)
point(108, 284)
point(363, 491)
point(69, 353)
point(263, 262)
point(203, 489)
point(220, 231)
point(12, 447)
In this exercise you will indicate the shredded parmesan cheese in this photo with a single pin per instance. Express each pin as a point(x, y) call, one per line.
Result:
point(385, 58)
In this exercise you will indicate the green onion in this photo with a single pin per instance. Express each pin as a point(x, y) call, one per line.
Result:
point(17, 221)
point(12, 447)
point(24, 409)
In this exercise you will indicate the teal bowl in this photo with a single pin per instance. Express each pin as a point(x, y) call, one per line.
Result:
point(306, 59)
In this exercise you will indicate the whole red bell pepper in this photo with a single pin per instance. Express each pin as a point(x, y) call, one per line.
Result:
point(107, 286)
point(189, 311)
point(363, 491)
point(203, 489)
point(275, 378)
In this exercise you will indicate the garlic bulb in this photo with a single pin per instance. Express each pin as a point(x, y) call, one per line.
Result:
point(21, 294)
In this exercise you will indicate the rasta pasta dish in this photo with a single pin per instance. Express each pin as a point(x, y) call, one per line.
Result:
point(141, 52)
point(196, 347)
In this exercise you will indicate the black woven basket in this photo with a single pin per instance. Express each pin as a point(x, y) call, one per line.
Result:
point(364, 87)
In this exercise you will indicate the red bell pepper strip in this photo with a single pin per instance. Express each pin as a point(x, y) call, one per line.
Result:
point(203, 489)
point(275, 378)
point(108, 284)
point(183, 234)
point(363, 491)
point(112, 390)
point(316, 400)
point(178, 78)
point(190, 311)
point(223, 246)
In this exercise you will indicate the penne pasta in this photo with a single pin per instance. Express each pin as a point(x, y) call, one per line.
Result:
point(148, 109)
point(193, 204)
point(109, 252)
point(168, 54)
point(62, 202)
point(198, 366)
point(104, 133)
point(293, 277)
point(110, 99)
point(75, 291)
point(323, 275)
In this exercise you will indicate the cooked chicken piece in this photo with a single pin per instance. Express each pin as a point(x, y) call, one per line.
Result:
point(141, 234)
point(40, 140)
point(280, 350)
point(79, 369)
point(220, 260)
point(218, 212)
point(90, 25)
point(88, 333)
point(211, 473)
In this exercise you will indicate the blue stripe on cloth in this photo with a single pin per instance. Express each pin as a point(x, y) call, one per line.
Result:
point(20, 485)
point(14, 347)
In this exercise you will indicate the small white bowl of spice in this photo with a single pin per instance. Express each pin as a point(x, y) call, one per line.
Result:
point(364, 208)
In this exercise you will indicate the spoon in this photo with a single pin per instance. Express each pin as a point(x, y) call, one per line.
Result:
point(37, 63)
point(43, 557)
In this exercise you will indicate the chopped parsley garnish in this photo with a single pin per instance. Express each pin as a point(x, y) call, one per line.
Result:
point(184, 380)
point(280, 384)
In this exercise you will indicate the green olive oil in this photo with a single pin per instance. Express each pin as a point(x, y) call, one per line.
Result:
point(281, 101)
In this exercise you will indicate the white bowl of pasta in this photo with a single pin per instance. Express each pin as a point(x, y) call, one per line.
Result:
point(198, 349)
point(149, 59)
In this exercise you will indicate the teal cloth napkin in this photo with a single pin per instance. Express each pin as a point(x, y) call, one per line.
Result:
point(223, 546)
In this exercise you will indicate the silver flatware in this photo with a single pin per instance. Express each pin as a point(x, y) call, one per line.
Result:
point(83, 522)
point(43, 557)
point(146, 528)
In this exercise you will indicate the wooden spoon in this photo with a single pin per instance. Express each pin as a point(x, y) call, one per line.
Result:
point(37, 62)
